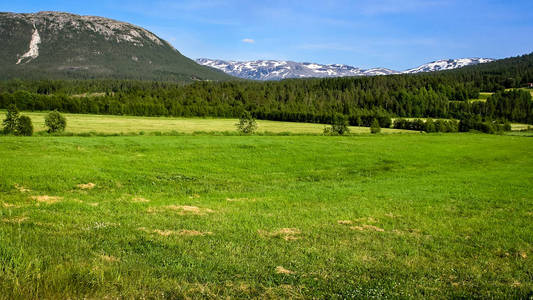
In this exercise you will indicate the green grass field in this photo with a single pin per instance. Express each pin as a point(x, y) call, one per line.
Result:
point(81, 123)
point(483, 96)
point(426, 216)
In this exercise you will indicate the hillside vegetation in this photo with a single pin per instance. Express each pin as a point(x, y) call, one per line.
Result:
point(86, 47)
point(444, 94)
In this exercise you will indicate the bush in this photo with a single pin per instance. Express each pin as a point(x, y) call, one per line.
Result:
point(247, 123)
point(374, 127)
point(24, 126)
point(430, 126)
point(339, 126)
point(11, 120)
point(55, 122)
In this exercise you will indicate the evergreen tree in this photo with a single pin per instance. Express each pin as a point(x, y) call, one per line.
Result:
point(247, 123)
point(11, 120)
point(374, 127)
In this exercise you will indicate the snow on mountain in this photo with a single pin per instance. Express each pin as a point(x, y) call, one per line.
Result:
point(277, 70)
point(448, 64)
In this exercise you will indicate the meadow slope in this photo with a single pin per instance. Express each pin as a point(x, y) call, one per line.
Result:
point(109, 124)
point(427, 216)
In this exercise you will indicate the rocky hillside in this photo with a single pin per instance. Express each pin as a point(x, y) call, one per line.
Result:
point(276, 70)
point(63, 45)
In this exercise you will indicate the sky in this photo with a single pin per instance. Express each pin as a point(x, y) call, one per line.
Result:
point(395, 34)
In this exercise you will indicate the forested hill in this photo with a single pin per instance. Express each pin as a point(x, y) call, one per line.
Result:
point(446, 94)
point(65, 46)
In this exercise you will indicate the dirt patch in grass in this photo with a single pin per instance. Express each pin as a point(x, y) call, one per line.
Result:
point(182, 209)
point(93, 204)
point(15, 220)
point(86, 186)
point(288, 234)
point(139, 200)
point(344, 222)
point(109, 258)
point(22, 189)
point(193, 232)
point(367, 227)
point(282, 270)
point(47, 199)
point(240, 200)
point(9, 205)
point(183, 232)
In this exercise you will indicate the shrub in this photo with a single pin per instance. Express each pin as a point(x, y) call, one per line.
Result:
point(339, 125)
point(11, 120)
point(24, 126)
point(55, 122)
point(374, 127)
point(430, 126)
point(247, 123)
point(506, 126)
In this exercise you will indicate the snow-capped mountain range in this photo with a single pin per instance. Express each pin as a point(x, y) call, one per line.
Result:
point(281, 69)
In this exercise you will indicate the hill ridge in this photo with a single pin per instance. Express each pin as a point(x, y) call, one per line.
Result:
point(61, 45)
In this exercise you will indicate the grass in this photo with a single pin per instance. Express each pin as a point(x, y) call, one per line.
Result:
point(483, 96)
point(82, 123)
point(524, 89)
point(426, 216)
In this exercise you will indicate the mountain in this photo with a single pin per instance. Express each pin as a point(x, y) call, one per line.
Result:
point(448, 64)
point(277, 70)
point(63, 45)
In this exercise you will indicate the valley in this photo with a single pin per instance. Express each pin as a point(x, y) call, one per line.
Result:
point(130, 171)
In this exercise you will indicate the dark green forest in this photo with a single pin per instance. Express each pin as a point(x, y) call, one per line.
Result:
point(442, 94)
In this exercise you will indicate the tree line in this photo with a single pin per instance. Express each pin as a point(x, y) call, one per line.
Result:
point(361, 99)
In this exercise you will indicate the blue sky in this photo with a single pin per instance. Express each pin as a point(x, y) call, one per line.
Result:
point(396, 34)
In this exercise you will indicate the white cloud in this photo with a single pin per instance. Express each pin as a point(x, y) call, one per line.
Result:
point(248, 41)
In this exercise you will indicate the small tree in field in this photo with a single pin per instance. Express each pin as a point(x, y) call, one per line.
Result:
point(339, 125)
point(11, 120)
point(247, 123)
point(374, 127)
point(24, 126)
point(55, 122)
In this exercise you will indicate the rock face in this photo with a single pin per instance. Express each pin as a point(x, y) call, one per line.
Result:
point(63, 45)
point(277, 70)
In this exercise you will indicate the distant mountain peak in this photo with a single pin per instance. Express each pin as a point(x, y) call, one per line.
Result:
point(448, 64)
point(281, 69)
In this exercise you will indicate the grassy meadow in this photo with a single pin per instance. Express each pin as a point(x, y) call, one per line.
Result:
point(109, 124)
point(426, 216)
